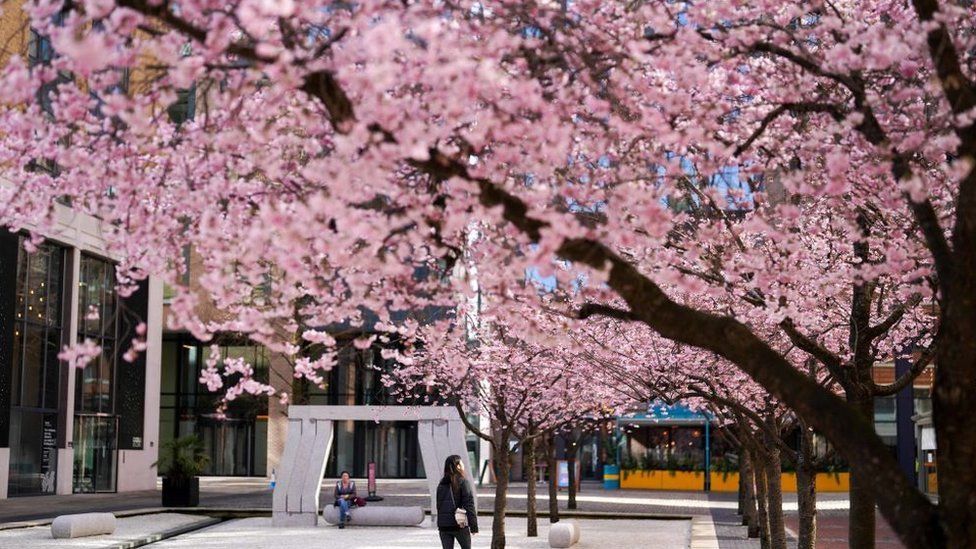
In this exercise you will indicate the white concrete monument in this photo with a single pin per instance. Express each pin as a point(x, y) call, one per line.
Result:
point(440, 433)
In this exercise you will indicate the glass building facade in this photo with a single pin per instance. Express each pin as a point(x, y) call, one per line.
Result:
point(235, 442)
point(35, 425)
point(95, 424)
point(65, 426)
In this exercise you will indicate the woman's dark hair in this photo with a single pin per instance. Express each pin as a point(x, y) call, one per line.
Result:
point(344, 473)
point(452, 471)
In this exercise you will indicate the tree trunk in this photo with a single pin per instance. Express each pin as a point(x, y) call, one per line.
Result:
point(751, 515)
point(954, 407)
point(741, 495)
point(762, 498)
point(553, 479)
point(571, 462)
point(774, 498)
point(862, 518)
point(532, 523)
point(503, 465)
point(806, 491)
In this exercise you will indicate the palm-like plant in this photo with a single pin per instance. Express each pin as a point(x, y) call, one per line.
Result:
point(182, 458)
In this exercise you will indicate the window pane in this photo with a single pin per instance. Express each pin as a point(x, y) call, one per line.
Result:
point(52, 287)
point(97, 304)
point(87, 398)
point(106, 377)
point(52, 368)
point(31, 384)
point(37, 265)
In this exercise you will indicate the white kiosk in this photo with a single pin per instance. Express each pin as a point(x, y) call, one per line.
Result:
point(440, 433)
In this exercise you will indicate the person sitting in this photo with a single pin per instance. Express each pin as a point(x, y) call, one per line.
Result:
point(345, 498)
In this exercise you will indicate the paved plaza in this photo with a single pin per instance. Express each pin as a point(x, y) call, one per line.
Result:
point(230, 496)
point(127, 529)
point(665, 534)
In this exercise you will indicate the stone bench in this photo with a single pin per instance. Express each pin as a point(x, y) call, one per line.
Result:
point(83, 524)
point(564, 533)
point(377, 515)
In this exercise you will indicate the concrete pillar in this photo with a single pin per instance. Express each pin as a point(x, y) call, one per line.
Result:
point(135, 465)
point(296, 495)
point(4, 471)
point(66, 454)
point(438, 439)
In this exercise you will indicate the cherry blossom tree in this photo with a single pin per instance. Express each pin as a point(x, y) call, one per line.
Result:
point(637, 362)
point(525, 390)
point(349, 157)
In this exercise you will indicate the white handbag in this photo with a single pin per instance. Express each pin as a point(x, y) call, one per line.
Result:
point(460, 515)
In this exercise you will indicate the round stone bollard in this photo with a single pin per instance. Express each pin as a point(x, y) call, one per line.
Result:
point(82, 524)
point(563, 534)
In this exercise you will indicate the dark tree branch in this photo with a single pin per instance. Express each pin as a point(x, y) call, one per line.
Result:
point(922, 362)
point(834, 111)
point(893, 318)
point(807, 344)
point(591, 309)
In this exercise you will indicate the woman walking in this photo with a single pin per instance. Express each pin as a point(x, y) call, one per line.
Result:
point(457, 518)
point(345, 498)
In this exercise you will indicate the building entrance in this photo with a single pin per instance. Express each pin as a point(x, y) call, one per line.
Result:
point(95, 454)
point(229, 443)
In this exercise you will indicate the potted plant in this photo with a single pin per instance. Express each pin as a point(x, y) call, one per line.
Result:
point(180, 461)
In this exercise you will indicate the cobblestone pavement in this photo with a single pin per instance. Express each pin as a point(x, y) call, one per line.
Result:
point(254, 493)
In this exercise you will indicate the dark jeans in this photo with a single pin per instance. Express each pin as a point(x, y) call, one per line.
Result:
point(463, 537)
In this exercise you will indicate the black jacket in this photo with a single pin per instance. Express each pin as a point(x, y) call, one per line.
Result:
point(446, 506)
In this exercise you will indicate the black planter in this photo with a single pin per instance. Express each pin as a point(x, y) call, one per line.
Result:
point(181, 492)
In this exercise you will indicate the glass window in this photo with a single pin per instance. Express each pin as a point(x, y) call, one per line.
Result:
point(37, 330)
point(923, 400)
point(98, 322)
point(184, 108)
point(35, 375)
point(884, 409)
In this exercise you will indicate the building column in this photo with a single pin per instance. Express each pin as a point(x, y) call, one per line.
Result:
point(137, 388)
point(65, 476)
point(905, 441)
point(8, 282)
point(4, 471)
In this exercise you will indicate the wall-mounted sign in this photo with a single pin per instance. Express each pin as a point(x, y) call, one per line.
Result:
point(49, 453)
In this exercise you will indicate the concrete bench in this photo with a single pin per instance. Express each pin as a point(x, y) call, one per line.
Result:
point(565, 533)
point(377, 515)
point(83, 524)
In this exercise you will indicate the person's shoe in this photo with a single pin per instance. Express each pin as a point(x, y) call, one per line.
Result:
point(342, 525)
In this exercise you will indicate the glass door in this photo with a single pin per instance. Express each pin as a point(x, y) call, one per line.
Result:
point(229, 444)
point(95, 454)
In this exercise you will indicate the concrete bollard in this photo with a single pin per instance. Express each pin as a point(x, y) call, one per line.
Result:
point(564, 533)
point(377, 515)
point(83, 524)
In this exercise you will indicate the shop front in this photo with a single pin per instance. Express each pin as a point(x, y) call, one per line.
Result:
point(63, 426)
